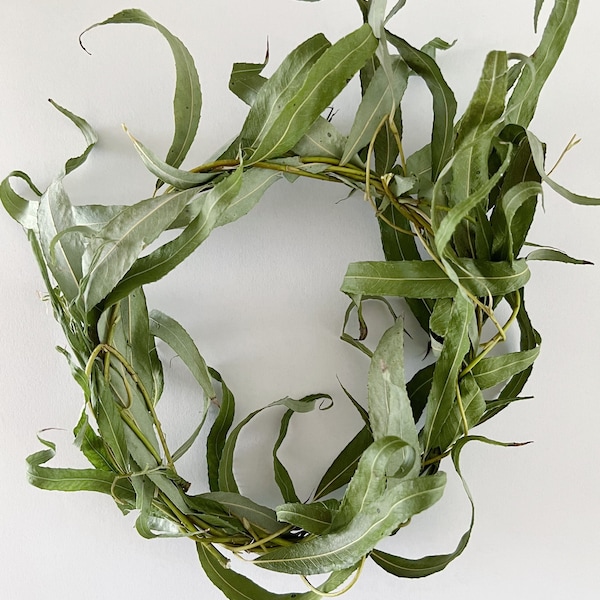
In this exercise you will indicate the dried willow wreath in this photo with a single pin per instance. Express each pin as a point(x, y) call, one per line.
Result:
point(454, 218)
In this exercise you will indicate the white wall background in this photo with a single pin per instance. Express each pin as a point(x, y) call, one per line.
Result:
point(261, 299)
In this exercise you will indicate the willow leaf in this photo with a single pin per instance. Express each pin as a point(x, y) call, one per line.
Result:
point(390, 412)
point(23, 211)
point(536, 13)
point(88, 133)
point(161, 261)
point(217, 435)
point(177, 178)
point(475, 133)
point(227, 482)
point(529, 340)
point(63, 257)
point(387, 456)
point(280, 88)
point(243, 508)
point(173, 334)
point(119, 243)
point(552, 254)
point(282, 477)
point(425, 279)
point(322, 139)
point(315, 517)
point(442, 403)
point(496, 369)
point(379, 100)
point(344, 465)
point(345, 547)
point(246, 80)
point(444, 102)
point(505, 212)
point(398, 246)
point(187, 101)
point(238, 587)
point(325, 80)
point(75, 480)
point(537, 153)
point(523, 102)
point(90, 444)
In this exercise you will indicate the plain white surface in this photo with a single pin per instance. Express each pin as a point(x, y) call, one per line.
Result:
point(260, 297)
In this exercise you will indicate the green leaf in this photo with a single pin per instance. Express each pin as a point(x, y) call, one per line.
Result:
point(280, 89)
point(75, 480)
point(23, 211)
point(552, 254)
point(343, 467)
point(88, 133)
point(177, 178)
point(537, 153)
point(536, 14)
point(496, 369)
point(425, 279)
point(243, 508)
point(246, 80)
point(315, 517)
point(91, 444)
point(161, 261)
point(282, 477)
point(64, 260)
point(118, 244)
point(386, 457)
point(227, 482)
point(444, 102)
point(530, 339)
point(187, 101)
point(173, 334)
point(473, 405)
point(418, 389)
point(239, 587)
point(325, 80)
point(401, 247)
point(346, 546)
point(322, 139)
point(506, 212)
point(217, 435)
point(390, 412)
point(377, 102)
point(476, 130)
point(110, 427)
point(441, 404)
point(522, 104)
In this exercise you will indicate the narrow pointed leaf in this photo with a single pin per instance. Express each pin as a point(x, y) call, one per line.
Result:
point(281, 87)
point(442, 397)
point(315, 517)
point(496, 369)
point(158, 263)
point(425, 279)
point(119, 243)
point(378, 101)
point(246, 80)
point(524, 99)
point(173, 334)
point(23, 211)
point(344, 465)
point(217, 435)
point(390, 412)
point(444, 102)
point(345, 547)
point(88, 133)
point(325, 80)
point(282, 477)
point(187, 101)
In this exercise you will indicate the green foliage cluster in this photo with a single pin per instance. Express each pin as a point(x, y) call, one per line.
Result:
point(454, 218)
